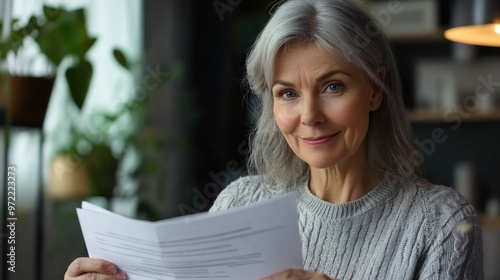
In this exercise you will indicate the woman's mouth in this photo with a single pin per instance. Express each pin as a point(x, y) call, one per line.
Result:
point(314, 141)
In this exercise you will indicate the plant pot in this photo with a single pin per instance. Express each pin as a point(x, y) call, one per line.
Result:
point(28, 100)
point(75, 177)
point(68, 179)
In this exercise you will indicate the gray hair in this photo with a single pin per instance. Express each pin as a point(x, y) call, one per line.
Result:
point(344, 29)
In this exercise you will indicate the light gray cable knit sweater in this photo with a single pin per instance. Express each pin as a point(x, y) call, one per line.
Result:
point(400, 230)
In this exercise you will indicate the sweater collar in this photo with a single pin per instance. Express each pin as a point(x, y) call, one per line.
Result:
point(385, 190)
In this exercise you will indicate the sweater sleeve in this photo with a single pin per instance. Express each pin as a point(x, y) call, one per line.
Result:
point(226, 199)
point(240, 192)
point(454, 238)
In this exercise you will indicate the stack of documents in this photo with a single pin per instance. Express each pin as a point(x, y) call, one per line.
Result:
point(249, 242)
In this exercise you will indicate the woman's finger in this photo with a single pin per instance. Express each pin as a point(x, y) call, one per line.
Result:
point(298, 274)
point(87, 265)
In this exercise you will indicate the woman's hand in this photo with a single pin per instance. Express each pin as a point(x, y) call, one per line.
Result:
point(95, 269)
point(298, 274)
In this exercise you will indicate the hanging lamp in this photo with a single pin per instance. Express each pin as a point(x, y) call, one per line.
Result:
point(485, 27)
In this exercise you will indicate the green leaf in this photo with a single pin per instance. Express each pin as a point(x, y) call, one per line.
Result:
point(75, 33)
point(86, 45)
point(63, 34)
point(102, 166)
point(78, 77)
point(51, 13)
point(52, 43)
point(121, 58)
point(16, 40)
point(32, 25)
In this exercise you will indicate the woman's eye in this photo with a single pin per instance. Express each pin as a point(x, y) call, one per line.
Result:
point(288, 94)
point(334, 87)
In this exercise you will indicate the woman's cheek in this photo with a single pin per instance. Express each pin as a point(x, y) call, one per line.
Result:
point(347, 112)
point(285, 119)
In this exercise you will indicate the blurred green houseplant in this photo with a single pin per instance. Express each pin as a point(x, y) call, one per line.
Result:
point(87, 161)
point(63, 40)
point(60, 35)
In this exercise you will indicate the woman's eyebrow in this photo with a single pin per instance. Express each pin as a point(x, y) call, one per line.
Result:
point(283, 83)
point(332, 72)
point(322, 77)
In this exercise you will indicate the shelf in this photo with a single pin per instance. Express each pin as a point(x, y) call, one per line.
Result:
point(449, 116)
point(489, 222)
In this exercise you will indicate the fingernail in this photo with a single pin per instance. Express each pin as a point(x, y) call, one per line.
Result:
point(121, 275)
point(111, 269)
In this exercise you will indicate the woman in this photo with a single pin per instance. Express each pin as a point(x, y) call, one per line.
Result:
point(333, 129)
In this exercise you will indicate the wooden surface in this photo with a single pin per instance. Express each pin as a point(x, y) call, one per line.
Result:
point(435, 116)
point(490, 222)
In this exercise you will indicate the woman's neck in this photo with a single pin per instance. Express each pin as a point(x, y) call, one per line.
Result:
point(343, 183)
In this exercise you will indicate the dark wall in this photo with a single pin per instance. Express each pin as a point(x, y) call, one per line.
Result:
point(475, 143)
point(221, 36)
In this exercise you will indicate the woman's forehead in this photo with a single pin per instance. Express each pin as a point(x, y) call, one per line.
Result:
point(296, 52)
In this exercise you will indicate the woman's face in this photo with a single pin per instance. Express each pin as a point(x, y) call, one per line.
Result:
point(322, 105)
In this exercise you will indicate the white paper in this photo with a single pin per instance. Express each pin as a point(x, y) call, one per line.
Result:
point(249, 242)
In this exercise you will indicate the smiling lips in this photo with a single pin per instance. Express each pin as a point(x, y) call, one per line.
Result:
point(314, 141)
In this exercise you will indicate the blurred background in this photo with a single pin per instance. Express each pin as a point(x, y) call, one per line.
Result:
point(140, 106)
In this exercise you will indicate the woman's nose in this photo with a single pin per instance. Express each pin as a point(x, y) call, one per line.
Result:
point(312, 112)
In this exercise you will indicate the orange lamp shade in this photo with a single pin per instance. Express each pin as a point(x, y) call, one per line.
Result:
point(482, 35)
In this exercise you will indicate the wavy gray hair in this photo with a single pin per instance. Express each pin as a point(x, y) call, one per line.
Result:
point(344, 29)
